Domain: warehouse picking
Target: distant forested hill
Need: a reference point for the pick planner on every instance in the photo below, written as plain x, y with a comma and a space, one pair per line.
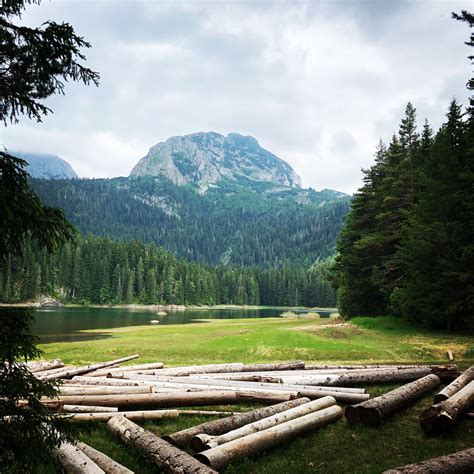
237, 221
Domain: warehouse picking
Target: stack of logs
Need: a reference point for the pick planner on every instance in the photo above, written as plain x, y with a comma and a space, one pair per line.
301, 398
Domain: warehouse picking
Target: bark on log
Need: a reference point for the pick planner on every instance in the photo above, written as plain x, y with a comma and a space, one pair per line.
74, 461
201, 369
217, 427
132, 415
165, 456
91, 390
224, 454
461, 462
87, 409
42, 365
441, 417
203, 442
83, 380
455, 386
107, 464
373, 411
207, 413
127, 368
88, 368
294, 365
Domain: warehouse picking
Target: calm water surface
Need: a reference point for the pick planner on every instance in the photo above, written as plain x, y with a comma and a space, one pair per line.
65, 324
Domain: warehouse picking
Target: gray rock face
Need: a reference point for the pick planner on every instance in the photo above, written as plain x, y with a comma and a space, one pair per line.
205, 158
46, 166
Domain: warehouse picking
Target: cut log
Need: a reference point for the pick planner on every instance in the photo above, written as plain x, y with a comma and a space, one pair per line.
157, 400
127, 368
74, 461
450, 355
91, 390
441, 417
461, 462
294, 365
43, 365
88, 368
372, 412
455, 386
207, 413
217, 427
165, 456
132, 415
202, 442
224, 454
47, 373
87, 409
108, 465
83, 380
202, 369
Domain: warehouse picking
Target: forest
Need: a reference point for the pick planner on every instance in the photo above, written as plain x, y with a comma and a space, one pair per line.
407, 248
102, 271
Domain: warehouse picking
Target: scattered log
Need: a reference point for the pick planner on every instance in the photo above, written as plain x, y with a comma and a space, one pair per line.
217, 427
43, 365
441, 417
102, 460
202, 369
294, 365
74, 461
46, 373
83, 380
127, 368
88, 368
461, 462
207, 412
450, 355
202, 442
132, 415
455, 386
87, 409
373, 411
224, 454
165, 456
97, 390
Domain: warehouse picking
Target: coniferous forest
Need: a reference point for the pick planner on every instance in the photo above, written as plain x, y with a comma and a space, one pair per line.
408, 245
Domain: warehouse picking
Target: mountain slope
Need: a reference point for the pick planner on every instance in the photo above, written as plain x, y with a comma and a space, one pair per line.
46, 166
203, 159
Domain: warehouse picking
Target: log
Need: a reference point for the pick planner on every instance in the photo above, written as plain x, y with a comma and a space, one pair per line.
450, 355
372, 412
91, 390
441, 417
83, 380
157, 400
217, 427
461, 462
202, 369
132, 415
87, 409
207, 412
294, 365
88, 368
43, 365
202, 442
108, 465
46, 373
224, 454
127, 368
165, 456
378, 377
74, 461
455, 385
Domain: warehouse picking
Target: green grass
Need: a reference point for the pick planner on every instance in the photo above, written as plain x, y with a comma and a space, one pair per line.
332, 449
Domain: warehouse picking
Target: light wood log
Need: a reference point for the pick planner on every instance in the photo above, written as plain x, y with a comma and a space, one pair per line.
165, 456
202, 369
461, 462
96, 390
202, 442
450, 355
132, 415
441, 417
74, 461
128, 368
107, 464
372, 412
42, 365
83, 380
207, 412
47, 373
87, 409
224, 454
217, 427
88, 368
455, 385
293, 365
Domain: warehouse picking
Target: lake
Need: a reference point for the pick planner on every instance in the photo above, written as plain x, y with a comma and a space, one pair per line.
65, 324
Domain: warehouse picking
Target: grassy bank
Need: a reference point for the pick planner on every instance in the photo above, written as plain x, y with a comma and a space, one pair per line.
336, 448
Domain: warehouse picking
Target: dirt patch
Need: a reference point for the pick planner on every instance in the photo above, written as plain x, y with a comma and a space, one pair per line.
333, 331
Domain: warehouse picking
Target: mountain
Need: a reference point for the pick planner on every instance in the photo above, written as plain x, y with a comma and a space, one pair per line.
46, 166
203, 159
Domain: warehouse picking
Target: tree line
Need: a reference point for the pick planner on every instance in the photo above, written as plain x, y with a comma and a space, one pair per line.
103, 271
407, 247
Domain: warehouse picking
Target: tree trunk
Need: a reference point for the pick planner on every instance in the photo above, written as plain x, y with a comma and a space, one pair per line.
217, 427
87, 409
108, 465
373, 411
132, 415
224, 454
461, 462
203, 442
74, 461
165, 456
442, 417
455, 386
87, 368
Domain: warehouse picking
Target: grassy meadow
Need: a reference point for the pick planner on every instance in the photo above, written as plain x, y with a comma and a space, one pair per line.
332, 449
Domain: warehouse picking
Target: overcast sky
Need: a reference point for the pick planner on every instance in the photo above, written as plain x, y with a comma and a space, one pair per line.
315, 82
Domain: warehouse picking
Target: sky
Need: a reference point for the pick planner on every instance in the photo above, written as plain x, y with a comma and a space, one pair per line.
317, 83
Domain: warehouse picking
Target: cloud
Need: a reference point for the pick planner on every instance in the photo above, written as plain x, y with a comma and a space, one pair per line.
316, 82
